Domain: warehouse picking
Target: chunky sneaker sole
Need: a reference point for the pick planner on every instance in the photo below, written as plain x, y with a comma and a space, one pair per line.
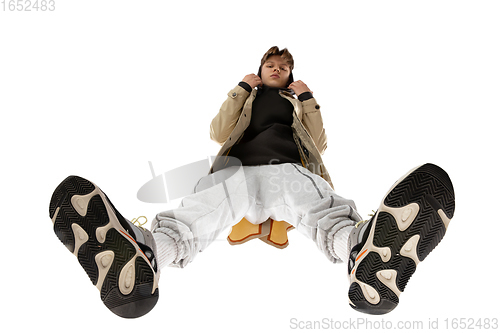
410, 222
107, 247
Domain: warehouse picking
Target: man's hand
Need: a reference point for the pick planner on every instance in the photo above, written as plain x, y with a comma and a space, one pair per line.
253, 80
299, 87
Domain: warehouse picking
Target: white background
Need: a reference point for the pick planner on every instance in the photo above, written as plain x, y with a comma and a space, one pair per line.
99, 88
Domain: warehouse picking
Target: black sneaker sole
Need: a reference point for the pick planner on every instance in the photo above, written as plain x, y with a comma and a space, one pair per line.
87, 224
410, 222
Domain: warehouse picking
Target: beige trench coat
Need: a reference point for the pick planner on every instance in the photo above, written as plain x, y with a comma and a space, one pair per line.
229, 125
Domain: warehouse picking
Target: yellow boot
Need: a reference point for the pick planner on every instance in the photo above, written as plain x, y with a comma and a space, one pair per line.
278, 236
245, 231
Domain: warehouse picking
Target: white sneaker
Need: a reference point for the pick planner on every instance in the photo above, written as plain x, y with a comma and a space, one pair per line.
118, 257
410, 222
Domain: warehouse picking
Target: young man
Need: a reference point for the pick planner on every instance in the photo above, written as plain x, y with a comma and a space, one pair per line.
269, 168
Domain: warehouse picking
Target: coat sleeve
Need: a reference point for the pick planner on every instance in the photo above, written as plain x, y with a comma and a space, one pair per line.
313, 122
225, 121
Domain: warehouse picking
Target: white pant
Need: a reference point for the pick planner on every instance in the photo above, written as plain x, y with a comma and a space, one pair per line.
284, 192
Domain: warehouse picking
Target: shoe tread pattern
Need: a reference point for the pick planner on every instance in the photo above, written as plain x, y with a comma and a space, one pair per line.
430, 187
424, 186
122, 248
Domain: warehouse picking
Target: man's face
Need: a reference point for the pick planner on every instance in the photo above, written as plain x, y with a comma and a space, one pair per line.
275, 72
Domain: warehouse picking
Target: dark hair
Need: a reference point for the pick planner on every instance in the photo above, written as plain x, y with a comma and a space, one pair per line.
285, 55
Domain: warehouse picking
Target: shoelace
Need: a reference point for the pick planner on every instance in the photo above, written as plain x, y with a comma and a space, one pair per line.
364, 221
135, 221
355, 250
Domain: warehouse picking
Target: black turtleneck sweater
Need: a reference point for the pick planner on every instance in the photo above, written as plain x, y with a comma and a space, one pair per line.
269, 137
